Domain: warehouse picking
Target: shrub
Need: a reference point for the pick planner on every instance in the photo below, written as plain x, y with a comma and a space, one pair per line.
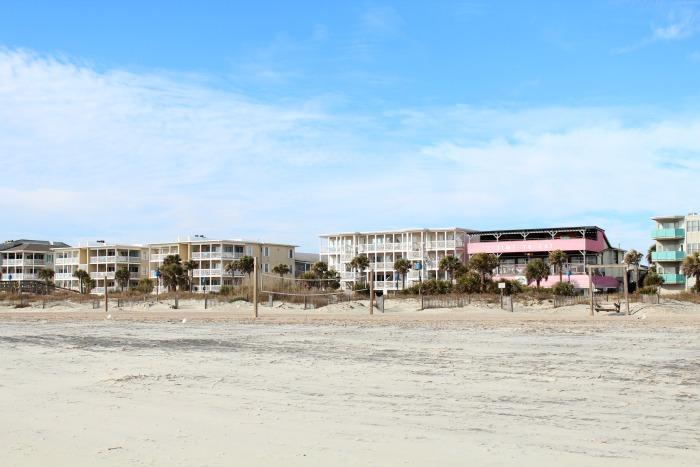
513, 287
469, 282
652, 279
564, 289
430, 287
225, 290
648, 290
145, 285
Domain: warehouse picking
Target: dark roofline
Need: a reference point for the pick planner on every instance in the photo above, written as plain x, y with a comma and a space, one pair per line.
546, 230
6, 245
537, 230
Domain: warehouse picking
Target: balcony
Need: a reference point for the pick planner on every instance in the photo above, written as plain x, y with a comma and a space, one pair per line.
662, 234
207, 272
379, 266
442, 245
667, 255
102, 275
673, 278
62, 261
348, 276
63, 276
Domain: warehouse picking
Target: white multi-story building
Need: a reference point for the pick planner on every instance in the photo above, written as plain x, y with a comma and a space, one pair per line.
424, 246
675, 237
212, 256
100, 261
22, 260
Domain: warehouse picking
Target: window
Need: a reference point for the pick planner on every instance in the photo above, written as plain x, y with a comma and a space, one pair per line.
291, 253
266, 267
249, 250
266, 251
238, 249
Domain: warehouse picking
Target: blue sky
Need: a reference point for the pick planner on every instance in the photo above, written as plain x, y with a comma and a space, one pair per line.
142, 121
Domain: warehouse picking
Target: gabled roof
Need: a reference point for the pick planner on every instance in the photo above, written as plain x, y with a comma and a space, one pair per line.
30, 245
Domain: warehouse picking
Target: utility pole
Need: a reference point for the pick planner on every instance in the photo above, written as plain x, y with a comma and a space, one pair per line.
371, 291
255, 286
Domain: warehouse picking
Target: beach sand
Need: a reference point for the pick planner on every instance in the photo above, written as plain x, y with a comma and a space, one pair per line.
335, 386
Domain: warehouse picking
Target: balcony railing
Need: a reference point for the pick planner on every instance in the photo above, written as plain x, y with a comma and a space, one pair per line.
207, 272
102, 275
62, 261
63, 276
661, 234
441, 245
667, 255
19, 277
673, 278
382, 265
348, 276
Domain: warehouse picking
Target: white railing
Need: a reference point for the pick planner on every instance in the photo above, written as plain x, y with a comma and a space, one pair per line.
415, 254
19, 277
348, 276
211, 254
346, 257
441, 245
380, 265
62, 261
207, 272
157, 257
128, 259
102, 275
231, 255
388, 285
24, 262
63, 276
337, 249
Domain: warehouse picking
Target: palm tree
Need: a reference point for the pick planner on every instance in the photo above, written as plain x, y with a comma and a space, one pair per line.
632, 258
281, 269
557, 258
190, 266
46, 274
691, 268
484, 264
320, 269
172, 272
360, 263
122, 276
450, 264
402, 266
536, 270
82, 277
650, 252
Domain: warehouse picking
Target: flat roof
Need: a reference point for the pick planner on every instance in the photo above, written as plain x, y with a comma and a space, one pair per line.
419, 229
99, 246
539, 230
217, 240
675, 217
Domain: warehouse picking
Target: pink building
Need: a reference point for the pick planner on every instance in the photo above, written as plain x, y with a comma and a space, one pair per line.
587, 245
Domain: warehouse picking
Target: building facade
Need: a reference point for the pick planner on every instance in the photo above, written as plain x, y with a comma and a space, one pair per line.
583, 246
22, 260
674, 238
212, 256
419, 246
100, 261
514, 248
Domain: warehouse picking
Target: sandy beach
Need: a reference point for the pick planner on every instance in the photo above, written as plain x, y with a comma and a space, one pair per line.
148, 385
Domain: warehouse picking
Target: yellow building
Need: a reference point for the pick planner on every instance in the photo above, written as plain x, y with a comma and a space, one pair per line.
212, 256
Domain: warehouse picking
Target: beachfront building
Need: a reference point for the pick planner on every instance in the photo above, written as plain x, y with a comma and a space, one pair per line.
303, 262
211, 256
674, 237
21, 260
583, 246
587, 245
419, 246
101, 261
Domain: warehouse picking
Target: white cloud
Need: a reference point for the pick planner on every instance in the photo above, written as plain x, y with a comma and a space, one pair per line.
140, 157
682, 25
